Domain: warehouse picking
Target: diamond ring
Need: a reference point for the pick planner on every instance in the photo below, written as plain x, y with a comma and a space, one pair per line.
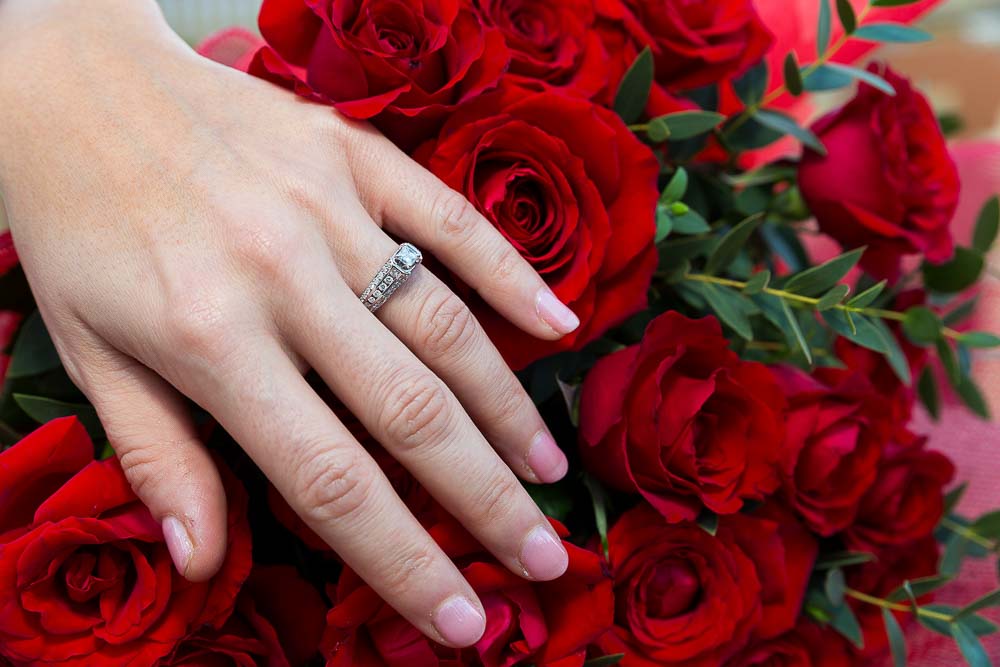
391, 276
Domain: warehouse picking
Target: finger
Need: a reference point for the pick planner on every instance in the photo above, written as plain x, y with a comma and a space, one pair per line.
414, 204
150, 428
433, 322
418, 419
335, 486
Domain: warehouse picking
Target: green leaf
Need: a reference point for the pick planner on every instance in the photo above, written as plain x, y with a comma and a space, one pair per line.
633, 91
953, 497
843, 559
893, 3
691, 223
947, 357
785, 124
599, 499
915, 588
684, 125
731, 308
33, 352
979, 339
894, 353
987, 226
956, 275
954, 551
44, 410
866, 298
927, 389
845, 12
922, 326
977, 624
896, 33
750, 87
676, 188
818, 279
731, 244
989, 600
846, 623
605, 661
664, 224
793, 325
825, 77
970, 646
824, 28
988, 525
961, 312
708, 521
833, 297
972, 397
758, 283
835, 71
835, 586
793, 75
897, 643
863, 333
555, 500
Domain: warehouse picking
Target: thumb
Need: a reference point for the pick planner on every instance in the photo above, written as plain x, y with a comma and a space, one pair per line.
151, 430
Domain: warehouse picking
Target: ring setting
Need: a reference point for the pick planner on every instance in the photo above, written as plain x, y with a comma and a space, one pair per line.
391, 276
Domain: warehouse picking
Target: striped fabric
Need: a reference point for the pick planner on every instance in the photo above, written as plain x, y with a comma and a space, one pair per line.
196, 19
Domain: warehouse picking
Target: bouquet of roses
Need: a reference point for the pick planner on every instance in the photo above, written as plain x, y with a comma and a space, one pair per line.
745, 486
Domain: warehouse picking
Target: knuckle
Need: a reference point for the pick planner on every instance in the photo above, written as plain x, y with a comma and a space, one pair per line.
497, 500
448, 324
410, 568
505, 265
456, 215
510, 404
416, 410
196, 324
331, 487
146, 468
267, 250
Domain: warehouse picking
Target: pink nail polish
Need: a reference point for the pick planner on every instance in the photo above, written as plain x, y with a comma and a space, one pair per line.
555, 313
543, 557
459, 622
178, 543
546, 460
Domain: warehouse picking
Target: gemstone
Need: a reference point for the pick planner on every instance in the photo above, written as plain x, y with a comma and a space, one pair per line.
407, 257
377, 294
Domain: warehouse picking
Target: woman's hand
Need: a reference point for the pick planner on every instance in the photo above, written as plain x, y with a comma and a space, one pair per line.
188, 230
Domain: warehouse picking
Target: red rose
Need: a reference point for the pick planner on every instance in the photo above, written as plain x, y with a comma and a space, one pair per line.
278, 622
884, 575
85, 576
9, 322
8, 256
684, 597
906, 501
683, 421
888, 181
368, 56
551, 43
574, 192
838, 424
808, 645
546, 624
694, 43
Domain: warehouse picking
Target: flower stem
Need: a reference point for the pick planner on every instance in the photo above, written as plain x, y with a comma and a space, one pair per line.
897, 606
968, 533
810, 301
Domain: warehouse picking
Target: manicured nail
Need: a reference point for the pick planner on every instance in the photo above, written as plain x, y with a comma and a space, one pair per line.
546, 460
543, 557
178, 543
459, 622
555, 313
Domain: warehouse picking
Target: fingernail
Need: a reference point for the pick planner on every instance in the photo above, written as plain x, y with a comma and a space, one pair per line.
555, 313
543, 557
178, 543
459, 622
546, 460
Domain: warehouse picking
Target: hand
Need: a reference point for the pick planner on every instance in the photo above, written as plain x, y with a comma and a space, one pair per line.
190, 231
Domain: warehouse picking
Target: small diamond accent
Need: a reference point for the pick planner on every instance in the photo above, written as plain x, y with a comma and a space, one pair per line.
407, 257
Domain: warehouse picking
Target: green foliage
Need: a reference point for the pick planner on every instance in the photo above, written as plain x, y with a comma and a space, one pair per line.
818, 279
891, 33
730, 244
633, 91
793, 75
922, 326
784, 124
605, 661
683, 125
987, 226
33, 352
599, 501
957, 275
824, 28
848, 19
897, 643
43, 409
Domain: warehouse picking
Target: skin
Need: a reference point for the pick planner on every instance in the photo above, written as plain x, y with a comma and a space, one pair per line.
189, 231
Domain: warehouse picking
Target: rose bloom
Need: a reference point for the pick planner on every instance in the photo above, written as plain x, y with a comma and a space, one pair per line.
367, 56
694, 43
888, 181
683, 421
838, 424
278, 622
684, 597
547, 624
907, 499
808, 645
881, 577
551, 43
85, 576
9, 323
573, 191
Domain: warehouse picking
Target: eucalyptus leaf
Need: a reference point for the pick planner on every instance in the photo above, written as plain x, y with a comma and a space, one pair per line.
864, 332
868, 296
858, 74
848, 19
731, 307
843, 559
750, 87
33, 352
793, 325
897, 643
956, 275
846, 623
987, 226
44, 410
991, 599
793, 74
970, 646
676, 187
916, 588
757, 283
687, 124
894, 352
978, 624
731, 244
605, 661
922, 326
833, 298
785, 124
892, 33
972, 397
824, 28
824, 77
979, 339
927, 390
835, 586
818, 279
633, 91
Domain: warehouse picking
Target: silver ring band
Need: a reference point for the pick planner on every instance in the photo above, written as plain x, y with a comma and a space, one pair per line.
391, 276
